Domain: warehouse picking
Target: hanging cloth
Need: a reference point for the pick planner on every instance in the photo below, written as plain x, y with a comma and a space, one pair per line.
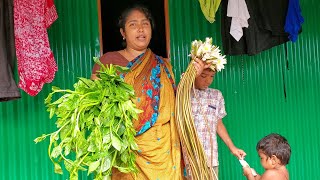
209, 9
36, 64
266, 27
294, 20
238, 11
8, 88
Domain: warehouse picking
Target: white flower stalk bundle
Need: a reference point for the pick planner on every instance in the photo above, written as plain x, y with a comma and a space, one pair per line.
208, 53
194, 153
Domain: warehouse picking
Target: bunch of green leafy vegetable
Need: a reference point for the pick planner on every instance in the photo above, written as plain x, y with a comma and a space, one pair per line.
95, 128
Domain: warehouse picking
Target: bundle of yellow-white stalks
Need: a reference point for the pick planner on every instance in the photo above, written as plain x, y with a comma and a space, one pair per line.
193, 150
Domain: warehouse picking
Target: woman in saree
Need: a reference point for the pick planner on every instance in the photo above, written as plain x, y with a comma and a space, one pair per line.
159, 154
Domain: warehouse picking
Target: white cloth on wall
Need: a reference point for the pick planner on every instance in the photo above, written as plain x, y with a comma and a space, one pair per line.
238, 11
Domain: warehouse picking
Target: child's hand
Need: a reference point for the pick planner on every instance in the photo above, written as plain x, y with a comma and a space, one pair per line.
246, 165
247, 171
200, 65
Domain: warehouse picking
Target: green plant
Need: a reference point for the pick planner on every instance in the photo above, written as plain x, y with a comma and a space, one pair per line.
95, 128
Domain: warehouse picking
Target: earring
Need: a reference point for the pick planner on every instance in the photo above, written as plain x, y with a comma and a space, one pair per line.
123, 38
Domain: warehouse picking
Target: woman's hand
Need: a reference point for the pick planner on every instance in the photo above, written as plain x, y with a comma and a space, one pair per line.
239, 153
200, 65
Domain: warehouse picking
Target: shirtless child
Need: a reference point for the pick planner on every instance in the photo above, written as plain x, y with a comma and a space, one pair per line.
274, 152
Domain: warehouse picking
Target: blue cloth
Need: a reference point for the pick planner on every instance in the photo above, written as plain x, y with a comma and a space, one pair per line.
294, 20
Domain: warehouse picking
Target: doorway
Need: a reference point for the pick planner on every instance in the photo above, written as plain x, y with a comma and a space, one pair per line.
110, 36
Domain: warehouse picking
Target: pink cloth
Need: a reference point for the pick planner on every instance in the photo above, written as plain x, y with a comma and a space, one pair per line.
36, 64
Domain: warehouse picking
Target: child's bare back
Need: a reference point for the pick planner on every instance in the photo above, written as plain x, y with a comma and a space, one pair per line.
275, 174
274, 152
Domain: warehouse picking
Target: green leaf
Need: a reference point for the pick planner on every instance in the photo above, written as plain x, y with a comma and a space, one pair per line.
106, 108
97, 60
107, 177
87, 82
92, 148
116, 141
68, 164
67, 149
106, 138
52, 111
122, 69
49, 98
57, 168
128, 88
106, 164
134, 146
97, 121
123, 169
65, 133
93, 166
82, 145
121, 129
56, 151
41, 138
124, 157
59, 101
103, 177
74, 176
89, 118
55, 88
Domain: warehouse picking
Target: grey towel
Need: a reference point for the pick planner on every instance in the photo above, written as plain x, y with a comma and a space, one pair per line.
8, 86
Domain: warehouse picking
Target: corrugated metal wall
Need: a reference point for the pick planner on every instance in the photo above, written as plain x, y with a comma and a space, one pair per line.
253, 88
74, 40
262, 94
